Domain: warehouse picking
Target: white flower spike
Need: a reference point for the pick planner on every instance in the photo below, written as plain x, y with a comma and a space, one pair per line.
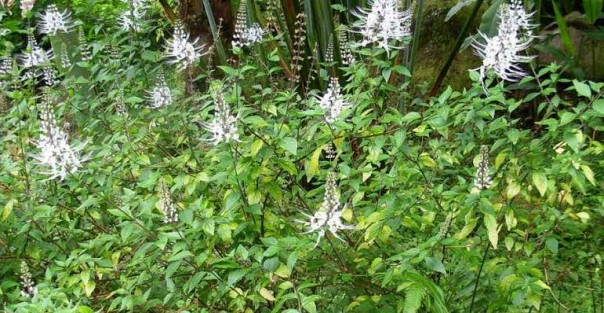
224, 125
383, 23
502, 52
332, 101
329, 215
53, 21
180, 50
56, 153
161, 95
482, 180
34, 56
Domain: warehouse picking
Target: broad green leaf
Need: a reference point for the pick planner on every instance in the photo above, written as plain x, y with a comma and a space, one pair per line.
540, 181
582, 89
552, 244
492, 229
413, 300
290, 144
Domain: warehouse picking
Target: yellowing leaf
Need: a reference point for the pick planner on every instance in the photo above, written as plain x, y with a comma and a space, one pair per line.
589, 174
540, 181
8, 208
267, 294
313, 167
491, 224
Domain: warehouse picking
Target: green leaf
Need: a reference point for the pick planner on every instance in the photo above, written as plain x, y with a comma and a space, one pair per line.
567, 41
552, 245
491, 225
540, 181
308, 303
593, 9
589, 174
582, 89
599, 107
290, 144
435, 265
490, 20
413, 300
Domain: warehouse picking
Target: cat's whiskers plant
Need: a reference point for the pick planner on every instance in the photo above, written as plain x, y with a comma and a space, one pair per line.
329, 215
223, 126
298, 46
26, 6
502, 53
383, 23
166, 204
160, 95
56, 152
245, 36
332, 101
53, 21
85, 48
131, 18
483, 180
180, 50
345, 51
28, 289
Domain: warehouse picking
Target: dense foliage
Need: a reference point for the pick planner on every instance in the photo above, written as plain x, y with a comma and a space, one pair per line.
199, 187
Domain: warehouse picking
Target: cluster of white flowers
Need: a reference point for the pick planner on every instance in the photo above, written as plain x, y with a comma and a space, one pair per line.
53, 21
224, 125
56, 153
245, 36
28, 289
34, 56
502, 52
383, 23
345, 52
333, 101
166, 204
161, 95
130, 20
329, 215
180, 50
482, 180
26, 6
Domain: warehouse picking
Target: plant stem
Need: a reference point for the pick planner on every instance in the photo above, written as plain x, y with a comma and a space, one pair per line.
484, 257
458, 43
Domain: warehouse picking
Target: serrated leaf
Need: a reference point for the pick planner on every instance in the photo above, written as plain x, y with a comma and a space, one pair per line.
552, 244
413, 300
582, 89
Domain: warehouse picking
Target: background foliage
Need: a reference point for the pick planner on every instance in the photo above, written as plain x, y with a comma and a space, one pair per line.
425, 240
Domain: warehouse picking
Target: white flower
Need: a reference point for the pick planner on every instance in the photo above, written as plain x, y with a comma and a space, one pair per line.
383, 23
329, 215
28, 289
245, 36
128, 22
160, 95
253, 34
34, 56
53, 21
166, 204
26, 6
333, 101
482, 180
502, 52
180, 50
224, 125
56, 153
